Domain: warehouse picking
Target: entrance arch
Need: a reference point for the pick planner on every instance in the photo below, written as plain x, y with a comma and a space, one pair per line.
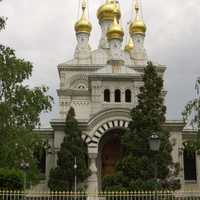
113, 124
94, 143
109, 153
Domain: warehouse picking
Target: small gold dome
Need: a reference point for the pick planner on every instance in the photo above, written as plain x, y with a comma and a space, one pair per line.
83, 25
138, 25
108, 11
129, 46
115, 31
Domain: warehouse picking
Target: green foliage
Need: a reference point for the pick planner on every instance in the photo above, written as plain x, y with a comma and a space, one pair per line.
20, 109
22, 105
191, 115
135, 171
62, 177
2, 22
11, 179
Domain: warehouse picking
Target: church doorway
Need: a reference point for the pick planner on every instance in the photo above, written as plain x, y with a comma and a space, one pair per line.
110, 151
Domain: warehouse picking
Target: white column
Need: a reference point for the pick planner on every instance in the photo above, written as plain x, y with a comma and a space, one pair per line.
138, 54
112, 95
93, 179
103, 41
198, 167
181, 172
123, 96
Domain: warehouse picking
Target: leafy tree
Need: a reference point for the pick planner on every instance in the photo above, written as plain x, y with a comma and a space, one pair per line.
2, 22
191, 114
135, 171
62, 177
20, 109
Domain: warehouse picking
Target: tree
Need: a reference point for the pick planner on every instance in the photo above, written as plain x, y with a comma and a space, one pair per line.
191, 115
2, 22
62, 177
20, 109
135, 171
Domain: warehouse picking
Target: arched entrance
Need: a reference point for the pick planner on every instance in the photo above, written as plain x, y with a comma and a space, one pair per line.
110, 151
101, 147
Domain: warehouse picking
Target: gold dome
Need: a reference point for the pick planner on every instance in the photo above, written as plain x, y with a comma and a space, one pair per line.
129, 46
138, 25
115, 31
83, 25
108, 11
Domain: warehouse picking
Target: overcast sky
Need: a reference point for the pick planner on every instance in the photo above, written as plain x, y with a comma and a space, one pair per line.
42, 31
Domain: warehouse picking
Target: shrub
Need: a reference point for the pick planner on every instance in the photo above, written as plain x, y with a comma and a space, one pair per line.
11, 179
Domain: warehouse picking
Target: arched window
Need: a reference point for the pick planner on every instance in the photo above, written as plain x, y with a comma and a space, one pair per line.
106, 95
189, 166
81, 87
128, 96
117, 95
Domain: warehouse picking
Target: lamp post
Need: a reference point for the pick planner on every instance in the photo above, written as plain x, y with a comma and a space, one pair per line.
24, 166
154, 144
75, 178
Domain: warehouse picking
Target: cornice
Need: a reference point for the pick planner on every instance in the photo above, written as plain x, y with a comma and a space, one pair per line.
174, 125
121, 77
69, 67
44, 131
159, 68
59, 124
70, 92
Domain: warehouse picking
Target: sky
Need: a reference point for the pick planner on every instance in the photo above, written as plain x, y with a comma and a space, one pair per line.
42, 32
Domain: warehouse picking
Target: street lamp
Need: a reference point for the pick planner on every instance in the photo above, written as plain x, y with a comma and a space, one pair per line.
75, 178
24, 166
154, 144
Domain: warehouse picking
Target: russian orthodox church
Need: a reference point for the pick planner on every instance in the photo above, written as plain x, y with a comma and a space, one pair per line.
102, 86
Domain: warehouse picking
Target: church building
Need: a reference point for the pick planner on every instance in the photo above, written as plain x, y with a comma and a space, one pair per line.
102, 86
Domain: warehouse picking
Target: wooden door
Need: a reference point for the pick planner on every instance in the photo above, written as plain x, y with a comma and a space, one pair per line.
111, 153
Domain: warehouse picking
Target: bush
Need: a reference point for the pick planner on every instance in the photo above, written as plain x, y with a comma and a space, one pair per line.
11, 179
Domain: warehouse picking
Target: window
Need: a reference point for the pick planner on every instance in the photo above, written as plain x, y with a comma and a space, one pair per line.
81, 87
117, 95
40, 156
189, 166
106, 95
128, 96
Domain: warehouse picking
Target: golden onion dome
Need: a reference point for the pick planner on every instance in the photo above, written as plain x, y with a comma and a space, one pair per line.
129, 46
115, 31
83, 25
138, 25
108, 11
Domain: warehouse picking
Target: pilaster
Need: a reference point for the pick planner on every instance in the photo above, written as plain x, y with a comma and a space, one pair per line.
181, 173
93, 179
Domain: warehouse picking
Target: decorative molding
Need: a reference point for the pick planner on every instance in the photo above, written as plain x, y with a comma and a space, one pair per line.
94, 141
78, 78
109, 113
80, 103
70, 92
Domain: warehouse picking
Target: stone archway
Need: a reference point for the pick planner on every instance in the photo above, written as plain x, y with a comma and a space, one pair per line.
113, 124
109, 153
94, 149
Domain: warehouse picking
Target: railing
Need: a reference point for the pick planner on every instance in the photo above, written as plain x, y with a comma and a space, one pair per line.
143, 195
